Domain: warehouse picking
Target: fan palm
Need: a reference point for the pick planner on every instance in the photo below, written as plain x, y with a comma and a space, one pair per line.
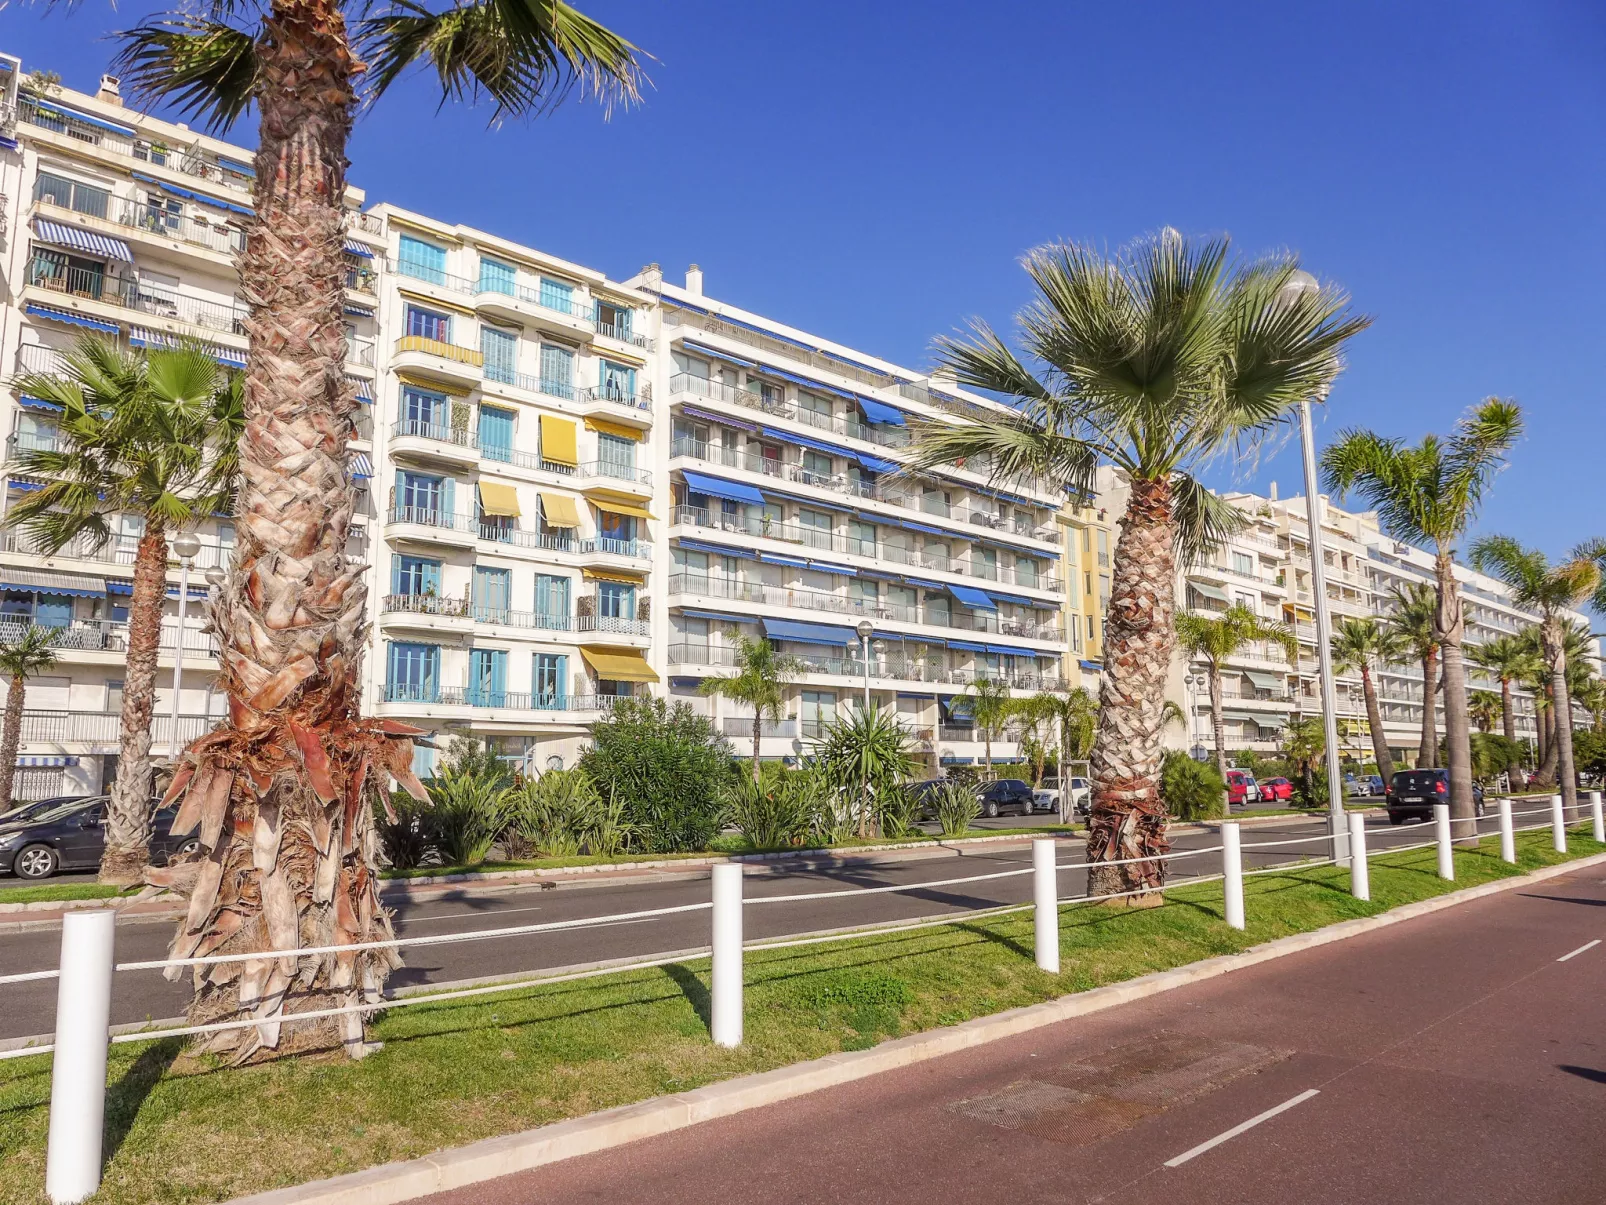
1428, 494
1213, 640
147, 433
1360, 644
1411, 619
22, 656
1153, 360
292, 771
990, 706
1510, 659
1483, 706
763, 674
1551, 589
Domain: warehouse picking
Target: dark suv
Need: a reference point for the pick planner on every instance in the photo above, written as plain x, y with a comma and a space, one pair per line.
1005, 793
1412, 794
73, 836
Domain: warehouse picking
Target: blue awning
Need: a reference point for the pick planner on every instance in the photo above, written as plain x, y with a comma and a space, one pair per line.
39, 581
1010, 650
358, 311
199, 198
362, 469
23, 486
702, 350
817, 503
925, 528
1023, 601
100, 123
920, 581
698, 546
768, 334
879, 412
364, 394
72, 319
353, 247
234, 165
719, 616
1095, 666
973, 597
28, 402
807, 383
827, 567
724, 420
967, 646
62, 235
734, 491
684, 305
231, 357
819, 445
197, 593
809, 633
769, 558
876, 464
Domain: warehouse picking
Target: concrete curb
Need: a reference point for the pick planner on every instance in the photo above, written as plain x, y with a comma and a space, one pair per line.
491, 1158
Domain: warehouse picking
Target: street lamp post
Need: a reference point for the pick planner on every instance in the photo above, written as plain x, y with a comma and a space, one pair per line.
865, 629
185, 546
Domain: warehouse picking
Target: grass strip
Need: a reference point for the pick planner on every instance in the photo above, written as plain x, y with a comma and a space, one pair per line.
187, 1130
44, 892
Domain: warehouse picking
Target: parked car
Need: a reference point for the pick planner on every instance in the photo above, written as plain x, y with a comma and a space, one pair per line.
73, 837
921, 794
1004, 794
1412, 794
1046, 799
1372, 786
1081, 796
27, 811
1241, 788
1278, 790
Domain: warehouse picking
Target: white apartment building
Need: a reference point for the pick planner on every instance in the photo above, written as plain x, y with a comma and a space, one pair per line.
791, 516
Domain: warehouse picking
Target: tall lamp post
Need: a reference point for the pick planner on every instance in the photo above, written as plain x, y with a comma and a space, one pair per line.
185, 547
1300, 284
865, 629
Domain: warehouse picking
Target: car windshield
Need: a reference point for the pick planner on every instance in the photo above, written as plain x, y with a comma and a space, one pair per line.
62, 811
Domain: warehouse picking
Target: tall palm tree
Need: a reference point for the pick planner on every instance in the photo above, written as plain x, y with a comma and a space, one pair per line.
1213, 640
1483, 706
991, 707
1411, 619
1510, 659
1038, 717
23, 656
1428, 494
1152, 360
292, 770
1360, 644
1551, 589
762, 675
1304, 742
147, 433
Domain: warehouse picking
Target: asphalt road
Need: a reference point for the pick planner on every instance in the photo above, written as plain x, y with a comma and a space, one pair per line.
1450, 1059
29, 1008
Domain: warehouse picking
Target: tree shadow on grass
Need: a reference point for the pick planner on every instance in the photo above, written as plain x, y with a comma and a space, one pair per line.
124, 1098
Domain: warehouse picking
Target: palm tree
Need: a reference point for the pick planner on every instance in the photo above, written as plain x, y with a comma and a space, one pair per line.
1483, 706
990, 706
292, 616
763, 674
1360, 644
1213, 640
1304, 742
1038, 717
1509, 658
1428, 494
1411, 619
1552, 590
1152, 360
148, 433
21, 657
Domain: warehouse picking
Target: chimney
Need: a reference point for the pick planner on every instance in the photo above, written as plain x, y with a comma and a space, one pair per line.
694, 281
111, 90
1274, 491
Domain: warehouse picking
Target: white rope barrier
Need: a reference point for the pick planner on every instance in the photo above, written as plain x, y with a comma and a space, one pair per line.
895, 888
1170, 856
1294, 841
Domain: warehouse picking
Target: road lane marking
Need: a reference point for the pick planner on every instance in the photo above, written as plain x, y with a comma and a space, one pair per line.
418, 920
1242, 1126
1586, 946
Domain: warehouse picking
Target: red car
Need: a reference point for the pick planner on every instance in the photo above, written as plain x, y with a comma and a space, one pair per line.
1279, 789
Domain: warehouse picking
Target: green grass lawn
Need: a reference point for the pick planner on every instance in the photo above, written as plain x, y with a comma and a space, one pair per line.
38, 892
453, 1073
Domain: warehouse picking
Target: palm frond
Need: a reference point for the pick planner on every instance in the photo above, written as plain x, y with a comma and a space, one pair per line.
204, 67
1203, 520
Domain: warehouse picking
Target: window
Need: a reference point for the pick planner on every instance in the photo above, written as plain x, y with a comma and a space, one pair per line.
557, 295
694, 639
551, 672
428, 324
904, 602
983, 562
414, 575
1104, 549
557, 371
425, 413
1025, 571
816, 464
818, 709
694, 563
423, 497
690, 365
616, 600
816, 411
70, 194
611, 526
421, 260
496, 433
616, 381
612, 319
493, 591
67, 273
939, 611
412, 673
816, 527
618, 453
114, 696
487, 678
163, 213
552, 602
501, 351
861, 537
1243, 563
866, 592
935, 554
497, 277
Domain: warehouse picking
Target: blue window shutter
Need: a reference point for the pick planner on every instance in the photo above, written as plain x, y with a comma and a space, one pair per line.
500, 352
421, 260
449, 495
499, 672
557, 365
432, 576
496, 277
496, 430
395, 573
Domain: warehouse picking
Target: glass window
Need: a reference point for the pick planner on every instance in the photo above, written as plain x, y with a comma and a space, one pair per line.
413, 673
616, 381
557, 295
114, 696
501, 352
427, 324
616, 600
549, 682
421, 494
497, 277
487, 678
496, 432
861, 537
612, 319
70, 194
816, 527
552, 602
414, 575
616, 527
493, 591
816, 464
1243, 563
557, 370
818, 709
424, 413
1025, 571
616, 452
421, 260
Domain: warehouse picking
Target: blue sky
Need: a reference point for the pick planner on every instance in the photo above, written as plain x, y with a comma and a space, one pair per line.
873, 172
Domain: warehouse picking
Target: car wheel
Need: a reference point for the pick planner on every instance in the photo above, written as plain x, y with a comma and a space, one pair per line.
990, 810
35, 862
185, 850
1395, 819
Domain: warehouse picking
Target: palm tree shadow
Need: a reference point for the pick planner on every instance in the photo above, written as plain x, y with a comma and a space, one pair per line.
1589, 1073
128, 1094
694, 990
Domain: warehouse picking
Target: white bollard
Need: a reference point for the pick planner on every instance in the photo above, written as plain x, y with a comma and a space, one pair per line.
78, 1072
1360, 879
1441, 825
1232, 868
1596, 816
1558, 825
1508, 835
1046, 905
725, 993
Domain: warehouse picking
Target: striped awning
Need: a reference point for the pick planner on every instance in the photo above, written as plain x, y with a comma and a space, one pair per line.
26, 762
362, 468
353, 247
36, 403
39, 581
87, 241
72, 319
358, 311
230, 357
365, 395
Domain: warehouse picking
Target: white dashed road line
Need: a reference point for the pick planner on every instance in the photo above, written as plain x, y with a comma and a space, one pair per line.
1242, 1126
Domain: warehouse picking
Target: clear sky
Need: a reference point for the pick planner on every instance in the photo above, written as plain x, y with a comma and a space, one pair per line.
873, 171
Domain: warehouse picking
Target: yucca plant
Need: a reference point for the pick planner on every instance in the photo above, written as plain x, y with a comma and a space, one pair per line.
865, 756
468, 811
957, 807
554, 812
780, 809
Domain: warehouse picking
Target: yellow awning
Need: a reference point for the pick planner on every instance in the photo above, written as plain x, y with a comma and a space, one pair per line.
560, 510
621, 665
619, 357
560, 440
498, 499
619, 429
612, 575
622, 508
448, 387
435, 302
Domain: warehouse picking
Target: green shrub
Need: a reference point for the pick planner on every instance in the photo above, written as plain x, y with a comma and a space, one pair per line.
956, 806
406, 841
550, 815
781, 809
868, 756
1191, 790
468, 812
668, 767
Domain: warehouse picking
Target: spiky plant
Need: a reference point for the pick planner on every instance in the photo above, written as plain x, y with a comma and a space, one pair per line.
1152, 360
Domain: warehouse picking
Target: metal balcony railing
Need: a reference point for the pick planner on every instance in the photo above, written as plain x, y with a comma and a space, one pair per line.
219, 236
445, 351
117, 550
103, 728
429, 516
616, 397
742, 728
436, 432
635, 549
884, 668
614, 625
108, 636
132, 293
616, 472
621, 332
191, 161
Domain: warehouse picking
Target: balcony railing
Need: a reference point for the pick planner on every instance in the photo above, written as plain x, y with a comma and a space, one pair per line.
616, 471
630, 401
742, 728
462, 608
519, 538
438, 433
109, 636
218, 236
103, 728
117, 550
32, 441
899, 669
131, 293
576, 305
622, 332
192, 161
614, 625
429, 516
470, 696
635, 549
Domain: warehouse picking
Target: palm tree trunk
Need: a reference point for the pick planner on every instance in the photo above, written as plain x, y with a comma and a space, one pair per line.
758, 731
128, 813
1218, 726
1553, 638
1428, 750
1545, 775
1374, 717
1449, 627
10, 739
1508, 725
987, 748
1128, 817
283, 793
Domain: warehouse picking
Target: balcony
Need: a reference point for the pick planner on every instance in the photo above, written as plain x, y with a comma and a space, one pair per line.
108, 636
612, 625
741, 728
56, 729
535, 540
421, 440
895, 669
447, 361
632, 407
193, 161
66, 282
360, 352
430, 612
432, 695
116, 550
427, 524
23, 442
638, 481
621, 332
634, 550
458, 613
210, 242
